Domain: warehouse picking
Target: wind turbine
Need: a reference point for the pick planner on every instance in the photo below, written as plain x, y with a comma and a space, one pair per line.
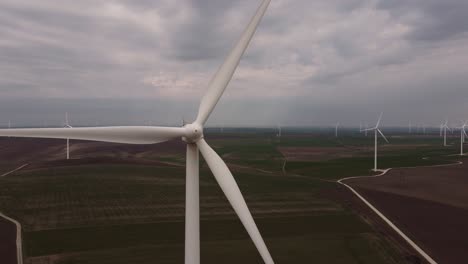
462, 136
67, 125
336, 128
444, 127
376, 130
409, 127
192, 134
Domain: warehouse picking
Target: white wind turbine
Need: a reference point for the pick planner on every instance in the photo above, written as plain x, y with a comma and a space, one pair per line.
279, 132
336, 128
462, 136
192, 134
444, 128
376, 130
67, 125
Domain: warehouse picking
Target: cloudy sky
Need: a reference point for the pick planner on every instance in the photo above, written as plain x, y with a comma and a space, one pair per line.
311, 62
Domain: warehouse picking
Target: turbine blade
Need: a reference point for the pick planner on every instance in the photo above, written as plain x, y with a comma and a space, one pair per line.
124, 134
229, 186
380, 132
224, 74
369, 129
378, 121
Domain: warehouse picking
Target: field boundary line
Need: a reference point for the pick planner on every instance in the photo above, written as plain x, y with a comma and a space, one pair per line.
19, 241
15, 170
383, 217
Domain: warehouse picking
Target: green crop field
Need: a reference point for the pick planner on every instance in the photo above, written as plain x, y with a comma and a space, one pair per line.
115, 212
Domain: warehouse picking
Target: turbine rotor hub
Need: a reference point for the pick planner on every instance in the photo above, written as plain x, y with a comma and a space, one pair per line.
194, 132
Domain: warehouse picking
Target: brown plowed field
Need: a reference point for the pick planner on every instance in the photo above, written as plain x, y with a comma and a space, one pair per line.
429, 204
7, 242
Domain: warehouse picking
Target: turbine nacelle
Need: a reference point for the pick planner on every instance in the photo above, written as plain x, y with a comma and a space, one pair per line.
194, 132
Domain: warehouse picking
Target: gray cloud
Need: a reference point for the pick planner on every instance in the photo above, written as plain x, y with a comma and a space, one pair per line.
432, 20
319, 60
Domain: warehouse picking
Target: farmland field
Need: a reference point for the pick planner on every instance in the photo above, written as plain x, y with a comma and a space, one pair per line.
435, 206
125, 204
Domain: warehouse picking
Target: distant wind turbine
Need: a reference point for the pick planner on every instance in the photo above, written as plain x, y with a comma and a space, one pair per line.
67, 125
462, 136
9, 124
192, 135
336, 129
376, 130
410, 127
444, 128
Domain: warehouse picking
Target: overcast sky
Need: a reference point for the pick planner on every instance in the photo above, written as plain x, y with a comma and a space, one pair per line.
311, 62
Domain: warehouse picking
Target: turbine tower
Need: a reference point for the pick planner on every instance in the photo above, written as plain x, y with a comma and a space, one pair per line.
444, 127
192, 134
462, 136
67, 125
376, 132
336, 128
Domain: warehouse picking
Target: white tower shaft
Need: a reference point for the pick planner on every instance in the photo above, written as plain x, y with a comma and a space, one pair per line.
461, 141
68, 148
375, 150
445, 136
192, 207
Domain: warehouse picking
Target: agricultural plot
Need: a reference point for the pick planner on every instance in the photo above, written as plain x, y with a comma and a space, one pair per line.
127, 205
8, 239
430, 204
353, 156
